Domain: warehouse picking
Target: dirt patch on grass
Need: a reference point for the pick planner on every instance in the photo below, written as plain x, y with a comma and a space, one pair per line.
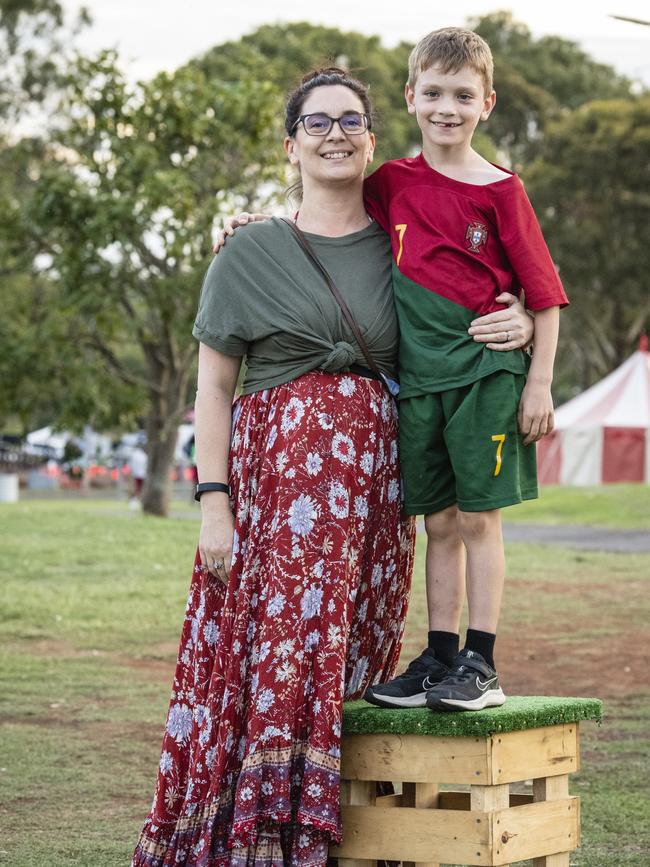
608, 667
157, 664
59, 648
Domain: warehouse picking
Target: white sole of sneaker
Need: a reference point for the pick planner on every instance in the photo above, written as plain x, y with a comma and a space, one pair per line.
491, 698
419, 700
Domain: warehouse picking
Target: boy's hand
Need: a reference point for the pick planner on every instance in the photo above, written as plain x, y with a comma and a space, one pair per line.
232, 223
535, 416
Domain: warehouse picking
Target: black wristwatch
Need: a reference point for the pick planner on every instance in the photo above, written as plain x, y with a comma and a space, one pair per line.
204, 487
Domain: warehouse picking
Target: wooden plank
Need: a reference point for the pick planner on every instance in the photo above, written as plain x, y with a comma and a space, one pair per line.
359, 792
552, 789
560, 859
416, 758
489, 799
389, 801
461, 800
486, 800
535, 830
425, 796
414, 834
457, 836
542, 752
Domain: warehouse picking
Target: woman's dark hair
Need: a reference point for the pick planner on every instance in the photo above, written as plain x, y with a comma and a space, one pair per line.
323, 77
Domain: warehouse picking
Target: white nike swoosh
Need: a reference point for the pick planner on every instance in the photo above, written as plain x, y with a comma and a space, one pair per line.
426, 683
484, 686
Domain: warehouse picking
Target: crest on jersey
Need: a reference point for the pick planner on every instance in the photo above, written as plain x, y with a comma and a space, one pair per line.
476, 234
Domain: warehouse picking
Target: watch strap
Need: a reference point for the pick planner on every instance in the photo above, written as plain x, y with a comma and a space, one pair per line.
205, 487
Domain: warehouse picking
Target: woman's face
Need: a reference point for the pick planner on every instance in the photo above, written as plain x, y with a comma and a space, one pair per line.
336, 158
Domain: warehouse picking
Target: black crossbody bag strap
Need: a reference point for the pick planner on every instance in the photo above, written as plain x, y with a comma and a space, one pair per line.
349, 318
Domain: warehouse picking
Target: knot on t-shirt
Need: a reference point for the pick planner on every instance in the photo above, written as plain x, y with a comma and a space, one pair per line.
341, 357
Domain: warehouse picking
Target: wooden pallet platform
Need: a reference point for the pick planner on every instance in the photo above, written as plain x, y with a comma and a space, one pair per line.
530, 738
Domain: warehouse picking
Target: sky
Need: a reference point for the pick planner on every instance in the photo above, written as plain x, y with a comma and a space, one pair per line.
152, 35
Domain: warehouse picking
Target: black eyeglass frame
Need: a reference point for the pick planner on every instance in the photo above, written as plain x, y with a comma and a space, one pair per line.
332, 121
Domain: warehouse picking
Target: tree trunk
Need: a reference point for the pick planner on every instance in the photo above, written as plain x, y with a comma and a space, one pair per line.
165, 410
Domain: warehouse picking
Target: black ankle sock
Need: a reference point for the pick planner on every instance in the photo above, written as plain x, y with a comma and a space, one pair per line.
444, 645
481, 642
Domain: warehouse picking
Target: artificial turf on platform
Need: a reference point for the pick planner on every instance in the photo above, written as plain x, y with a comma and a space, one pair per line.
518, 713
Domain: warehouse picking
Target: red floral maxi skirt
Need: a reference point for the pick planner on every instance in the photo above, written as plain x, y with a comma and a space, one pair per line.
313, 613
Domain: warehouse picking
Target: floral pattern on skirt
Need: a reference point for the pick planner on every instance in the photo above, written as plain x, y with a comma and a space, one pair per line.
313, 613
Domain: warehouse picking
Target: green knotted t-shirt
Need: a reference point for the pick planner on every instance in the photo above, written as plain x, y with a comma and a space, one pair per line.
263, 298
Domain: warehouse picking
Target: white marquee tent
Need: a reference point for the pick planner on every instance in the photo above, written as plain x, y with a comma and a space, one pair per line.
603, 434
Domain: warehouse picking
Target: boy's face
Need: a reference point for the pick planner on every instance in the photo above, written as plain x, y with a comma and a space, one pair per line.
448, 106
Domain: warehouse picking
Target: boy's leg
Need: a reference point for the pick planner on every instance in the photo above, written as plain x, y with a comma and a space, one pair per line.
483, 539
429, 489
445, 580
492, 469
473, 682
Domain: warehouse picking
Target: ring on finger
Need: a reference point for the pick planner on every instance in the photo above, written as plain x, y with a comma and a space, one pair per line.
218, 564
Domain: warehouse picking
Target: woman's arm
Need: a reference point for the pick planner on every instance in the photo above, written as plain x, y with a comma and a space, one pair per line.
217, 381
503, 330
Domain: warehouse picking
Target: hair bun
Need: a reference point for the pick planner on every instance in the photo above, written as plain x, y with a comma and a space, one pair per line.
323, 70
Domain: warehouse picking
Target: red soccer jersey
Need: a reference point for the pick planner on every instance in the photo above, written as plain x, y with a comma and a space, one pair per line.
456, 246
466, 242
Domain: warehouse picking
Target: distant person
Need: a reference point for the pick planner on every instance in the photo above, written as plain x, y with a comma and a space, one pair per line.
190, 452
138, 463
300, 586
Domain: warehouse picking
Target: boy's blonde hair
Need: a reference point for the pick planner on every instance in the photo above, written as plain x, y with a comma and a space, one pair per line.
451, 48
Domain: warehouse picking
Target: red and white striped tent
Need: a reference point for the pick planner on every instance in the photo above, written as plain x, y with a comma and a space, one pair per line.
603, 435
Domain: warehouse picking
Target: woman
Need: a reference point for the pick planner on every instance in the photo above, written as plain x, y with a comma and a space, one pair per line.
300, 586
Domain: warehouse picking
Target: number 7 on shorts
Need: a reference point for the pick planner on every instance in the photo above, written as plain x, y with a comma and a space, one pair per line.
498, 438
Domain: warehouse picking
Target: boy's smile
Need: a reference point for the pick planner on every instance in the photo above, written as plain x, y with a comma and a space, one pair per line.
448, 107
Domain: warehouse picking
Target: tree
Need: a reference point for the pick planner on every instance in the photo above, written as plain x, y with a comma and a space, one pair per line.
590, 186
282, 53
124, 208
35, 36
538, 81
46, 375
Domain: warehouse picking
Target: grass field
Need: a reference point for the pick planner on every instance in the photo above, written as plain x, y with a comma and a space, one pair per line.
92, 601
624, 506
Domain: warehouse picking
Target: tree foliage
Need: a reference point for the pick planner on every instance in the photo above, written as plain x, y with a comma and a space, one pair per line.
35, 36
106, 220
124, 206
283, 53
538, 81
47, 373
591, 186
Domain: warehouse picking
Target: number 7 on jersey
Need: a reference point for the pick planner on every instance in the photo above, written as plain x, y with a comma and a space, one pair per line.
400, 228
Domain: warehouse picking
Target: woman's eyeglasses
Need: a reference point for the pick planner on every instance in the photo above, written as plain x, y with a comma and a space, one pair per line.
351, 123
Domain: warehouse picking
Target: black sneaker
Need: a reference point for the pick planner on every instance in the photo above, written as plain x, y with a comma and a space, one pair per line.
410, 688
471, 684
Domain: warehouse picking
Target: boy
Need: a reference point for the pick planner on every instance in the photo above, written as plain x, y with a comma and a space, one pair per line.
462, 232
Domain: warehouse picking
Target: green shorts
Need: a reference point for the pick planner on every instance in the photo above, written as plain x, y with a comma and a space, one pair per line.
463, 446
